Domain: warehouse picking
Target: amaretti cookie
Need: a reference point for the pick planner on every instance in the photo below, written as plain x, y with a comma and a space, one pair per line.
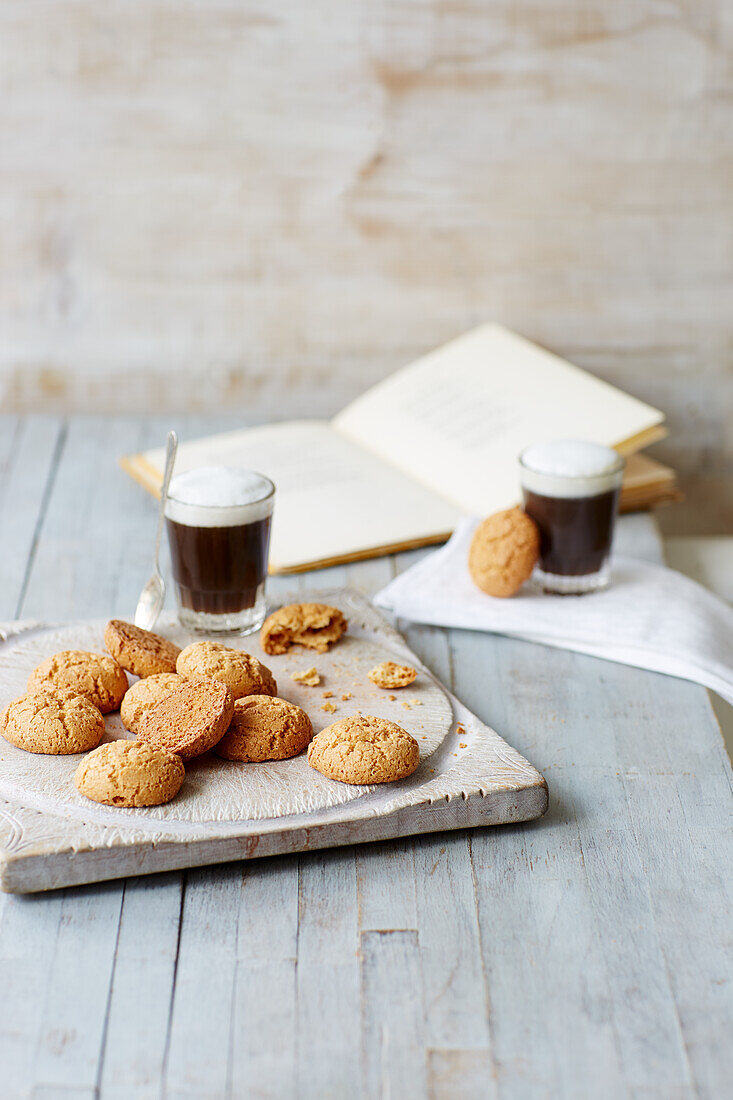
144, 693
503, 552
140, 651
390, 675
47, 723
130, 773
242, 673
98, 677
265, 728
189, 721
364, 749
313, 625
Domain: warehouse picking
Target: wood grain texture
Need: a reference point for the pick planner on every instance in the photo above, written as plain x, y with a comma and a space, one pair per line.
603, 933
211, 204
29, 453
135, 1038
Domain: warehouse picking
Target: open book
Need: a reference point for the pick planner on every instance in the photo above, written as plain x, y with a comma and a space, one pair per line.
439, 439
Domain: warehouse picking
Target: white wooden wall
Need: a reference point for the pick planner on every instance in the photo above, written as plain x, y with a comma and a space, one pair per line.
205, 204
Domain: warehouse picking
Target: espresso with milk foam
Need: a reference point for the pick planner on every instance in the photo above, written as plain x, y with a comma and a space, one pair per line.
218, 522
571, 491
574, 531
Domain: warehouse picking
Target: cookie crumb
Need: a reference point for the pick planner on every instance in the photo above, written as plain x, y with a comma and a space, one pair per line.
346, 696
390, 675
461, 744
329, 708
406, 705
392, 697
416, 702
307, 676
460, 729
327, 695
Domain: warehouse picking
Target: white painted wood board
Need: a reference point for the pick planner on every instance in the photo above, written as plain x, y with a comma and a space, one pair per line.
52, 836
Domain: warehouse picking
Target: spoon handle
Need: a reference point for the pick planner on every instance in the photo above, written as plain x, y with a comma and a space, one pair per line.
170, 458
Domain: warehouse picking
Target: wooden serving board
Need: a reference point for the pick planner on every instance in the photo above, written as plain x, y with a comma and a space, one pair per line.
50, 836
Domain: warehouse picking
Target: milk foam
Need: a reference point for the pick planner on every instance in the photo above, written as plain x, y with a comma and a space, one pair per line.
571, 468
218, 496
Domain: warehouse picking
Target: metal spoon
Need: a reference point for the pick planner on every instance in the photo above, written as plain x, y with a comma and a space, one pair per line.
152, 597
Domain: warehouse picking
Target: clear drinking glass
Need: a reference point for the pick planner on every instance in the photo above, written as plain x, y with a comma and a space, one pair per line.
571, 490
218, 522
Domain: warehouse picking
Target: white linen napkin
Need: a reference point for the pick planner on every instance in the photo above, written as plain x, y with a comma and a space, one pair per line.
650, 616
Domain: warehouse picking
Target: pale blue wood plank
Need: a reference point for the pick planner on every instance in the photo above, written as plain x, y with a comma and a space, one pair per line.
461, 1075
197, 1059
453, 983
393, 1023
30, 448
28, 936
73, 1014
267, 919
141, 990
551, 1027
90, 528
265, 1030
677, 780
386, 882
264, 1027
605, 955
328, 987
59, 1092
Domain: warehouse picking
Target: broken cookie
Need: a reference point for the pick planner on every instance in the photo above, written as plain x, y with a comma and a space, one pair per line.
313, 625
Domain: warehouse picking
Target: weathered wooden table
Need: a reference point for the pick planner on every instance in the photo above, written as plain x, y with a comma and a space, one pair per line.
584, 955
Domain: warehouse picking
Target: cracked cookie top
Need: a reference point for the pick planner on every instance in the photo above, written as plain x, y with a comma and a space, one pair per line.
94, 675
143, 694
364, 749
265, 728
503, 552
45, 722
130, 773
242, 673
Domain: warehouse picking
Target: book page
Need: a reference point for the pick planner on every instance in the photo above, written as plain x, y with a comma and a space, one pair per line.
333, 499
457, 419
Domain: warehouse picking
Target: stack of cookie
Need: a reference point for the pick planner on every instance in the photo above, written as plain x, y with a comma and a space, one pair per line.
188, 702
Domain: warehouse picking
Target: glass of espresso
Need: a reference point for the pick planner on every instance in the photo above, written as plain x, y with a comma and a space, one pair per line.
218, 521
571, 491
